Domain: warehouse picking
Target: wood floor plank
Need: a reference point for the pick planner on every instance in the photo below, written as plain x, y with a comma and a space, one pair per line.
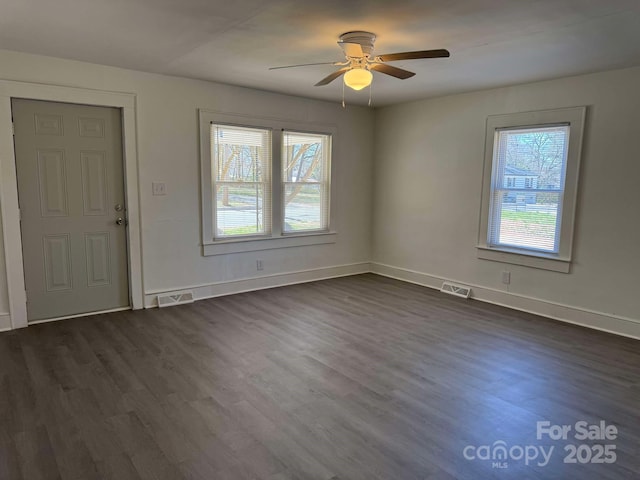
360, 377
36, 456
9, 460
117, 467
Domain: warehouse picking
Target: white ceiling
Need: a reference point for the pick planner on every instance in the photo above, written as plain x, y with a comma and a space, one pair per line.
492, 42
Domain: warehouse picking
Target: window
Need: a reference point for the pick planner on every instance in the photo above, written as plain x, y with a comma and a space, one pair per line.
528, 219
530, 185
265, 183
241, 180
305, 177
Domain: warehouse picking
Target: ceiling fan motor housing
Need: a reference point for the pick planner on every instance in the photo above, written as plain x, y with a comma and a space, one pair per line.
364, 39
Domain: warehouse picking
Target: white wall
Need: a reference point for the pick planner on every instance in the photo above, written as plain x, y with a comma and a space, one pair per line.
428, 176
168, 151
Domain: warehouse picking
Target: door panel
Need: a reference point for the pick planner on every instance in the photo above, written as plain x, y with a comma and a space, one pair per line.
70, 178
94, 183
98, 265
52, 183
57, 262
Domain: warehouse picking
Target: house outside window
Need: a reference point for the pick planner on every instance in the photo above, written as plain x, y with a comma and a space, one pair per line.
518, 178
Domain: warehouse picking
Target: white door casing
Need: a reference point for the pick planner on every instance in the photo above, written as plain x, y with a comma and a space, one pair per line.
72, 207
14, 314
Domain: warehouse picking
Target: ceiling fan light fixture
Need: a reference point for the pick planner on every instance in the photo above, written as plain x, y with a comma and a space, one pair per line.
358, 78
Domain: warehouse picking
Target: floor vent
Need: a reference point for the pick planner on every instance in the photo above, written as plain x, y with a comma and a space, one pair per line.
169, 299
457, 290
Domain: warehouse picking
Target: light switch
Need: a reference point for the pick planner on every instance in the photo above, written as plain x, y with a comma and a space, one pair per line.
159, 188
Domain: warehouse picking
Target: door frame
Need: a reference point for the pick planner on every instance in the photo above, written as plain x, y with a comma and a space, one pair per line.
11, 233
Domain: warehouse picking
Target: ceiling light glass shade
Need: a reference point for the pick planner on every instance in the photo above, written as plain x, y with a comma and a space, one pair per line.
358, 78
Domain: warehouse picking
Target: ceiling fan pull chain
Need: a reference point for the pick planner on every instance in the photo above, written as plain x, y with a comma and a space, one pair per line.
343, 105
370, 90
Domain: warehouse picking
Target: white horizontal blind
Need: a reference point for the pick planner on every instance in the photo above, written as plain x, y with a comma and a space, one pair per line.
305, 181
527, 188
241, 176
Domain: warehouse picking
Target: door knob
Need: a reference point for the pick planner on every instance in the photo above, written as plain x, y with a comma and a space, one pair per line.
119, 221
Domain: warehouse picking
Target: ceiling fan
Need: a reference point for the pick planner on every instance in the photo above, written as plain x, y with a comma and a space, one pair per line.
360, 61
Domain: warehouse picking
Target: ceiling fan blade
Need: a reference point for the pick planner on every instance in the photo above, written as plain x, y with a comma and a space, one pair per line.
305, 65
330, 78
392, 57
393, 71
352, 49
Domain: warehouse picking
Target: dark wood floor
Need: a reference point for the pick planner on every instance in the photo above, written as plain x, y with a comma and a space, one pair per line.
361, 377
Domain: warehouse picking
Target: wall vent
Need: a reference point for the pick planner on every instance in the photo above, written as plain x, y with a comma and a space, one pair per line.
457, 290
169, 299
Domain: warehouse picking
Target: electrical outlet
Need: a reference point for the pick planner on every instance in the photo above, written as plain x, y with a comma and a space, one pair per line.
159, 188
506, 277
259, 265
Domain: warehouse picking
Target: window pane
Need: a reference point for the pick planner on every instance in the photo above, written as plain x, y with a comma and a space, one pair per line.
241, 185
303, 157
533, 157
240, 154
239, 209
304, 207
528, 182
523, 224
305, 173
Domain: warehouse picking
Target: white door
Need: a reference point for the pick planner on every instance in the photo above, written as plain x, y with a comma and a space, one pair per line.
73, 216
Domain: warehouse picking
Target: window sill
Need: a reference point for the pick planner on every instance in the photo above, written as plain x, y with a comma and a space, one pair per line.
516, 257
223, 247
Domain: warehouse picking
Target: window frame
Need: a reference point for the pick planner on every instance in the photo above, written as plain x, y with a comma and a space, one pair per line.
276, 238
574, 118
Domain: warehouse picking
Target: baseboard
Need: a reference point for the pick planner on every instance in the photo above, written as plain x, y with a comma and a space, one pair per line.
615, 324
79, 315
200, 292
5, 322
618, 325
